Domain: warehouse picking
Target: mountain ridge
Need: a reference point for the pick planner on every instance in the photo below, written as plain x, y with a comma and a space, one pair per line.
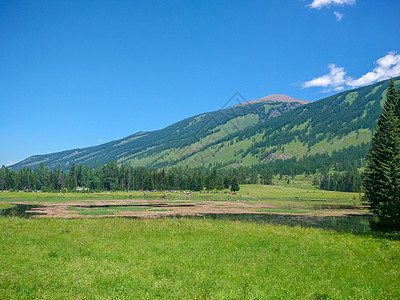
259, 132
209, 122
275, 98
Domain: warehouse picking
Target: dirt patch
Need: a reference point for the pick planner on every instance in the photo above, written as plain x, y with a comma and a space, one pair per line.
141, 208
162, 208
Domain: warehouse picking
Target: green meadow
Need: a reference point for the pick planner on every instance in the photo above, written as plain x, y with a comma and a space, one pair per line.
191, 259
117, 258
300, 189
299, 197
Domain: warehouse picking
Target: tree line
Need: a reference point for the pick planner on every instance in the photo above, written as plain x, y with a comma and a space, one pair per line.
344, 182
114, 177
120, 177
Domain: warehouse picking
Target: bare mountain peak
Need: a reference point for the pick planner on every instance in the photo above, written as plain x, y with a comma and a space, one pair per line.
276, 98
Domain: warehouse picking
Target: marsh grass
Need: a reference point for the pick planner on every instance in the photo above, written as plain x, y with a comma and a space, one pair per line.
5, 205
192, 259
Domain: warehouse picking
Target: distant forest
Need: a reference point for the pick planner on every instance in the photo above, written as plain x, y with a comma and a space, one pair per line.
124, 178
113, 177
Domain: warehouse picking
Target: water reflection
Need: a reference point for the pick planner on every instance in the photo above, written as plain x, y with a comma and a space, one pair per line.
354, 223
17, 211
350, 223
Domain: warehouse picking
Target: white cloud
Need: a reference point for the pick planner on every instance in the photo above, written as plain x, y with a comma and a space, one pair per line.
318, 4
334, 79
386, 67
338, 15
336, 89
100, 140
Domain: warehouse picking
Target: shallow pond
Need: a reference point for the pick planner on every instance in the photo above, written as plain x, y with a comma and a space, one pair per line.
354, 223
350, 223
18, 210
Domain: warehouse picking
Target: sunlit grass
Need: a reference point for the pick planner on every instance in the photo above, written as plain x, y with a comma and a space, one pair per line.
191, 259
295, 191
301, 190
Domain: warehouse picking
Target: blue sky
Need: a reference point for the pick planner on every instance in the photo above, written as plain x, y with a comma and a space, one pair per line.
80, 73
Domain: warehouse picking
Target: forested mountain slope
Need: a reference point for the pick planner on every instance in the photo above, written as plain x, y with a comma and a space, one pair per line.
276, 130
337, 128
174, 143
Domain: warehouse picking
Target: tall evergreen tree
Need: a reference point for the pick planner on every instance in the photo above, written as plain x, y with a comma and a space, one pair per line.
266, 176
234, 184
382, 173
3, 178
72, 181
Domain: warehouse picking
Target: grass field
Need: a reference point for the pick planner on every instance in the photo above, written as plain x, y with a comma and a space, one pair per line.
117, 258
192, 259
295, 191
301, 189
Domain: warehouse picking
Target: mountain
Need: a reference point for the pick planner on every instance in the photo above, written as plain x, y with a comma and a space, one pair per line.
174, 143
275, 98
271, 129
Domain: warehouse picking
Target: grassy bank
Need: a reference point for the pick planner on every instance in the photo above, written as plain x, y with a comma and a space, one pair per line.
121, 258
294, 191
298, 190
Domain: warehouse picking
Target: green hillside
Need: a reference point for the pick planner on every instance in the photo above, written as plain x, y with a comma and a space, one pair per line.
171, 144
271, 132
338, 127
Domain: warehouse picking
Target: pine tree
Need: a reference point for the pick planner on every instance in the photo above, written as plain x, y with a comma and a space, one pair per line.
382, 173
72, 181
266, 176
234, 184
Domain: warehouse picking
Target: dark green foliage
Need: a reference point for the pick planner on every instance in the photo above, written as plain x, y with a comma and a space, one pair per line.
113, 177
347, 159
345, 182
266, 176
3, 173
315, 181
234, 185
382, 173
72, 179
